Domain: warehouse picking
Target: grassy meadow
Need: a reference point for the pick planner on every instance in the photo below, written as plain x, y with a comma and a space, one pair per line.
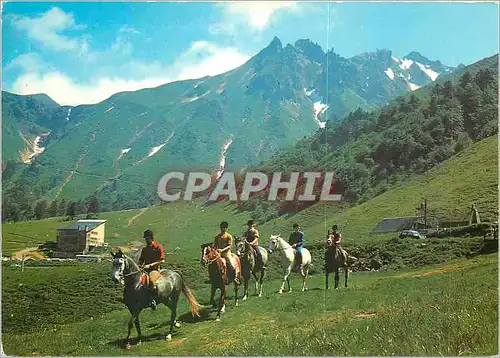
447, 309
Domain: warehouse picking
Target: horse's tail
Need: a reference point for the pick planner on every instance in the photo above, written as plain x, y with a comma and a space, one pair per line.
193, 304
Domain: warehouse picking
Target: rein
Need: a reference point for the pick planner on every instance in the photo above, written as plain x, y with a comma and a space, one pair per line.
133, 272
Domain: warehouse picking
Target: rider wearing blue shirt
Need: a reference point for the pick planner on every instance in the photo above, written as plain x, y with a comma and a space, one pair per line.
297, 241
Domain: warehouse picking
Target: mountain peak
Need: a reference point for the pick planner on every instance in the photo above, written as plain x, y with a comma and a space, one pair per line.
275, 44
310, 49
418, 57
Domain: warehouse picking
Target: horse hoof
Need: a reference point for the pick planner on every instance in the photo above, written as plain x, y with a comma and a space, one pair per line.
128, 346
280, 292
237, 304
260, 294
177, 325
244, 298
168, 337
217, 319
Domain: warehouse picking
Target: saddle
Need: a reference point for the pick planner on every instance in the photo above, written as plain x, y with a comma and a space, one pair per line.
234, 260
149, 280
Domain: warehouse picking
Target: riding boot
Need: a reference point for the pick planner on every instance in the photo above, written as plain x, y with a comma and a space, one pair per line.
234, 276
152, 297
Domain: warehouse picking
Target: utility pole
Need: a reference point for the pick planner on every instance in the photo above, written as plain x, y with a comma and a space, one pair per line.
425, 212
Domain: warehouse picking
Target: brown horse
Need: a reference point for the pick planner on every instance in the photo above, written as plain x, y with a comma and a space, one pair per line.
217, 271
335, 258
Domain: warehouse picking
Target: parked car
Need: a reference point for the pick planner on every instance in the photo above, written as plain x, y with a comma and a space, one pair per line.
411, 233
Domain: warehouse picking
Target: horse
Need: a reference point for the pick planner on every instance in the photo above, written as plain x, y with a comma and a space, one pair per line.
217, 271
335, 258
136, 297
288, 261
248, 265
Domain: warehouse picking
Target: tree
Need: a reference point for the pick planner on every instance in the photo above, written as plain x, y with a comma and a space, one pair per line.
41, 209
93, 205
53, 208
71, 210
61, 208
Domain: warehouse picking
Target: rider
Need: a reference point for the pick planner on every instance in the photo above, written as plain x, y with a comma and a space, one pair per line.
337, 238
252, 237
151, 257
297, 241
223, 242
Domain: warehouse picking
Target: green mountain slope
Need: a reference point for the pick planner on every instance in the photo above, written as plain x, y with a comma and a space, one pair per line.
126, 143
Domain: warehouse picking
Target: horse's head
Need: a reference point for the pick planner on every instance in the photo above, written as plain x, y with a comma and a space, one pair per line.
329, 241
208, 254
119, 264
240, 246
273, 243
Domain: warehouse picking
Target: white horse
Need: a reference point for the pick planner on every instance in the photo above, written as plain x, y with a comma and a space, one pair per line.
277, 243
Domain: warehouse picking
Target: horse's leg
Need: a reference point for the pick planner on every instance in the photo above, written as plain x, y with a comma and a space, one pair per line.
138, 328
261, 281
346, 272
133, 319
327, 273
245, 287
222, 301
287, 273
212, 296
236, 294
173, 314
256, 283
304, 279
337, 278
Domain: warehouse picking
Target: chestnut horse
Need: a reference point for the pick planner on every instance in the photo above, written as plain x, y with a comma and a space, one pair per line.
217, 271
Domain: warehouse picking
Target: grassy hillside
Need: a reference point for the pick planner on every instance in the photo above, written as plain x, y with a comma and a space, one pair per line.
447, 309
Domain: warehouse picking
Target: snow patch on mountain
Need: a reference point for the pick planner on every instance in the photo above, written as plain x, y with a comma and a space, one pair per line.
413, 87
36, 150
69, 114
223, 155
389, 73
428, 71
318, 106
123, 152
406, 64
395, 59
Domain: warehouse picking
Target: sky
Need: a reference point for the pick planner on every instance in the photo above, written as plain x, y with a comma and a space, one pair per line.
82, 53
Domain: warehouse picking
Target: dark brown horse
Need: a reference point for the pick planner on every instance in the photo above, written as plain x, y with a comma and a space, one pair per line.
336, 258
218, 274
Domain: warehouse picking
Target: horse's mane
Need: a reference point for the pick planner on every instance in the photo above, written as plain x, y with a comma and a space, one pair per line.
130, 259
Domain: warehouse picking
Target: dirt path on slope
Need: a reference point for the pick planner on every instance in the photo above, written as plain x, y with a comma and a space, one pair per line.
131, 221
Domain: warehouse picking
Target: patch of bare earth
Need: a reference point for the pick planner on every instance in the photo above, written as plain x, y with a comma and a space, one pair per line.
432, 272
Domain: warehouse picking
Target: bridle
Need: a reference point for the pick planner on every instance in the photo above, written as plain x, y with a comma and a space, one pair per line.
126, 265
207, 261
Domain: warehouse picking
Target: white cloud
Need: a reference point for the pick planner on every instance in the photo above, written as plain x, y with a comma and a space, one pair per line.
128, 29
27, 62
201, 59
66, 91
256, 15
47, 28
